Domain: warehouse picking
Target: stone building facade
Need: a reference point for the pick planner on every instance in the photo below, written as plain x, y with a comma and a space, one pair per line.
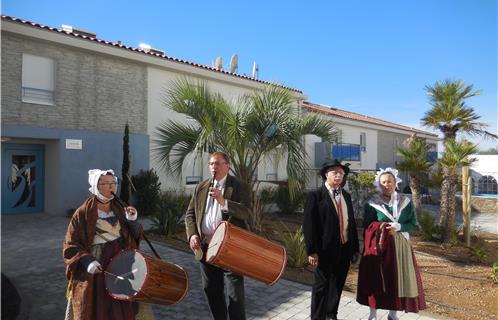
51, 138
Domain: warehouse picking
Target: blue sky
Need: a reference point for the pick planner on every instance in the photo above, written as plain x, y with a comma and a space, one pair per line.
370, 57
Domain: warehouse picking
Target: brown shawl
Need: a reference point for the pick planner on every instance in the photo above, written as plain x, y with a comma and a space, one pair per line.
77, 243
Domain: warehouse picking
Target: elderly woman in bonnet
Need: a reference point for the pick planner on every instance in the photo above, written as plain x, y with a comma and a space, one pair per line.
389, 277
98, 230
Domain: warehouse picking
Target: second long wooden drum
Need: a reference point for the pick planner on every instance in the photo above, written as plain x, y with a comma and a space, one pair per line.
240, 251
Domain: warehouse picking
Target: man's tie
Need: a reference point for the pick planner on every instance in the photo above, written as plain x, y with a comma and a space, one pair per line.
338, 204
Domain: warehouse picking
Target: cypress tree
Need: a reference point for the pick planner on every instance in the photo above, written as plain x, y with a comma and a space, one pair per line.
125, 168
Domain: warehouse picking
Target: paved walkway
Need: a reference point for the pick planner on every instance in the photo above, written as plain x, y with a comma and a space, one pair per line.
32, 259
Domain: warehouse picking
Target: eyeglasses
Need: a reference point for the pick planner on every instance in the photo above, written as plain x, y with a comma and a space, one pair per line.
336, 173
216, 163
109, 184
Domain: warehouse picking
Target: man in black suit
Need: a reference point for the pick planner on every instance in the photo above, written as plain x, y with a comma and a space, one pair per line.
222, 197
331, 239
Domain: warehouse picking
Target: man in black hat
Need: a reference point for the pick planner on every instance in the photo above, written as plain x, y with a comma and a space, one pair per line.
331, 239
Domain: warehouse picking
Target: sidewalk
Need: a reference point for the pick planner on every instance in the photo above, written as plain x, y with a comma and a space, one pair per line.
32, 259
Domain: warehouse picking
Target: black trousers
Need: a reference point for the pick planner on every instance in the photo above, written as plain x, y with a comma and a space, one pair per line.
327, 289
213, 283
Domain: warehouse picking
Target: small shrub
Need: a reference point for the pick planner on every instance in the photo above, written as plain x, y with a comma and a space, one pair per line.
267, 195
494, 273
147, 189
479, 251
285, 203
427, 226
295, 246
168, 216
361, 187
454, 236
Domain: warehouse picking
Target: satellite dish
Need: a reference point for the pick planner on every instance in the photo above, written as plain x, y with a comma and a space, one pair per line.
255, 70
145, 47
219, 63
234, 63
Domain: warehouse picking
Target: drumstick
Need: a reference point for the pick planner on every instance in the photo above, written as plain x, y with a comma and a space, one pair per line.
112, 274
124, 205
214, 244
128, 273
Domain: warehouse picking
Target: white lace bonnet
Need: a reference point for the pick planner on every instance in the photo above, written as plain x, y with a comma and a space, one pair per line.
390, 170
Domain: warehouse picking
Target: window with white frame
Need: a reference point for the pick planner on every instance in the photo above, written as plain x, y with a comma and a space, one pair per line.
38, 79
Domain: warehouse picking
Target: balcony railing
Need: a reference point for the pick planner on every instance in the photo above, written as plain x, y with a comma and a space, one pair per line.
346, 152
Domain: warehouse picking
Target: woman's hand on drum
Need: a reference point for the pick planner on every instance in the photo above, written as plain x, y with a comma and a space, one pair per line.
195, 242
313, 260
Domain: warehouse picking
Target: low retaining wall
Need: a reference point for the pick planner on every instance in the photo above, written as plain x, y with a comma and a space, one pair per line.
481, 204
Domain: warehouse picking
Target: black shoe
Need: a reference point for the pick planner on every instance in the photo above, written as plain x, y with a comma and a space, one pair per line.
333, 317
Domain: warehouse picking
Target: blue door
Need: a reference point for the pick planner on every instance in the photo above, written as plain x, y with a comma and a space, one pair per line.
22, 178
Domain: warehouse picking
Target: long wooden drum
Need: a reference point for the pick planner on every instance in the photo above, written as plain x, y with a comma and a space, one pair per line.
133, 275
245, 253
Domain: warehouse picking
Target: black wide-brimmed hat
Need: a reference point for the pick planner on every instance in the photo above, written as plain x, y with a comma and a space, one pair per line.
333, 163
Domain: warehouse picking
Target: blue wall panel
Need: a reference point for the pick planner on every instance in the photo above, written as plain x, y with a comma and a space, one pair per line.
101, 150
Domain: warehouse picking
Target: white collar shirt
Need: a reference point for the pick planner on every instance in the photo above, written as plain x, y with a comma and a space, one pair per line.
212, 215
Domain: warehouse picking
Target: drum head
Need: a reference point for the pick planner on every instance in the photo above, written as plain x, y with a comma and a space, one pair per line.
216, 242
126, 274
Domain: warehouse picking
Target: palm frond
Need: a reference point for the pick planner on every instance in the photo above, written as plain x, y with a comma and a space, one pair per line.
449, 112
415, 157
173, 143
248, 130
458, 154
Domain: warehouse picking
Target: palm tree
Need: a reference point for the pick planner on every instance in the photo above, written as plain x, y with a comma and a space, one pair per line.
248, 131
415, 162
450, 113
456, 155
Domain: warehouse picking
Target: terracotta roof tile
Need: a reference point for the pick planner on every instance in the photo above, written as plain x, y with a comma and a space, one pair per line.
359, 117
118, 45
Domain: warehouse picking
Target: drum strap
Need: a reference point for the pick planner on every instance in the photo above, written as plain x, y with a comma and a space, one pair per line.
124, 205
151, 247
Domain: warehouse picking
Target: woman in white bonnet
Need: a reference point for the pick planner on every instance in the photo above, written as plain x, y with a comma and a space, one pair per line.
98, 230
389, 277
